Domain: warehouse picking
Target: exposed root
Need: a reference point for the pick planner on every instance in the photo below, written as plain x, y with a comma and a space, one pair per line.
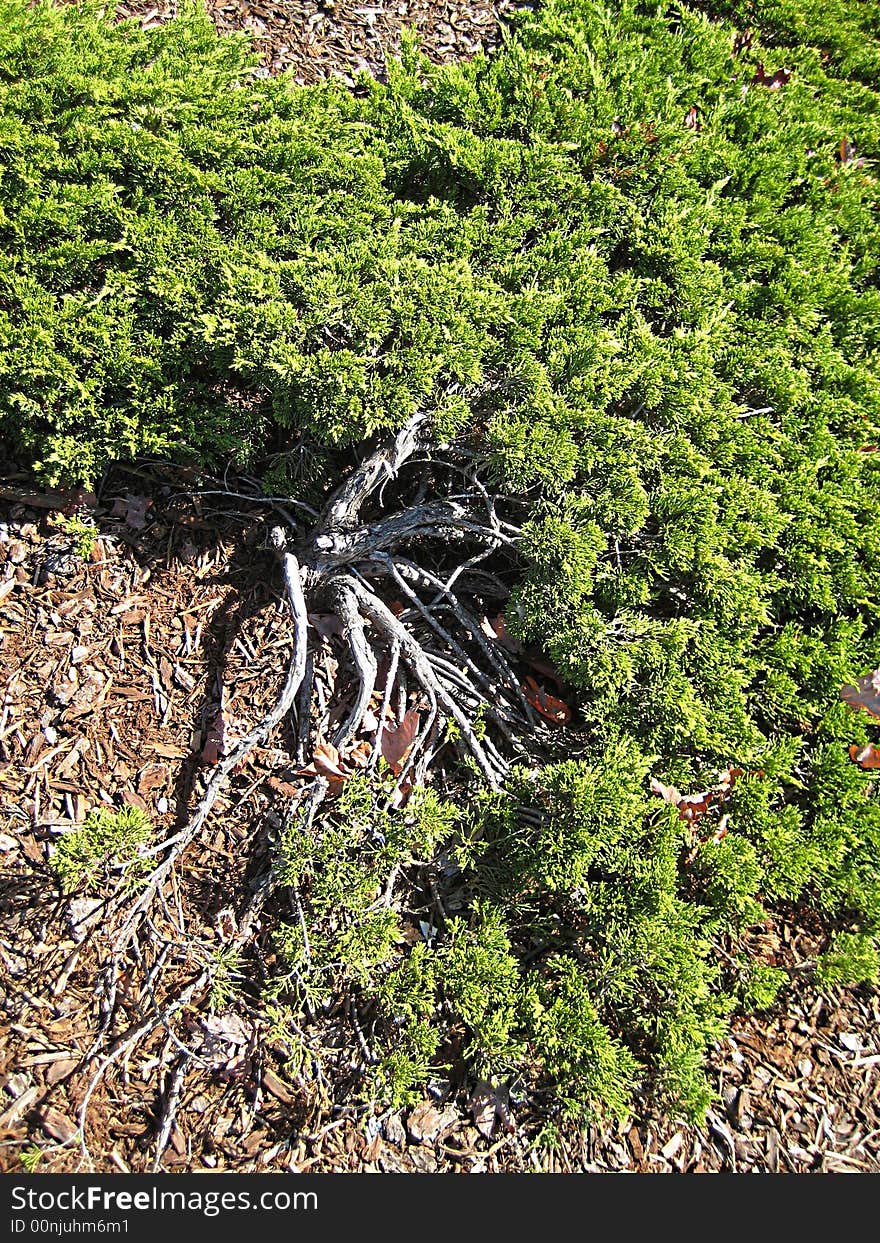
436, 657
293, 584
414, 655
362, 654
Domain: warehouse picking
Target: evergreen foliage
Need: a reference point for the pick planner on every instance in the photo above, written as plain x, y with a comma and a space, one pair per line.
643, 283
108, 845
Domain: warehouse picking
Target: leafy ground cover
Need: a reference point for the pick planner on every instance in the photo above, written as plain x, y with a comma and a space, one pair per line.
560, 366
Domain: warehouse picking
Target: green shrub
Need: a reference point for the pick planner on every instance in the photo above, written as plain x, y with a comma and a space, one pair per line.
642, 284
851, 958
107, 846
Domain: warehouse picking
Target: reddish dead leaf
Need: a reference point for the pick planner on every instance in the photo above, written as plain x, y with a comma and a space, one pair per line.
396, 743
721, 832
865, 694
865, 757
134, 800
548, 705
57, 1126
848, 154
692, 120
496, 628
283, 788
692, 808
132, 510
400, 794
153, 777
772, 81
396, 608
215, 740
728, 779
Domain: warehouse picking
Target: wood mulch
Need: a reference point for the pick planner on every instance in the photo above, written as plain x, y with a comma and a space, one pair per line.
315, 40
118, 663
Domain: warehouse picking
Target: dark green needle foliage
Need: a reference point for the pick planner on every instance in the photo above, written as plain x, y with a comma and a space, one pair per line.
638, 275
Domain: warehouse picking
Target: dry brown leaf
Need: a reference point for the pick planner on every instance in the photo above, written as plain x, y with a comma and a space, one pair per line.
773, 81
669, 794
360, 755
490, 1110
57, 1126
424, 1123
215, 740
325, 760
283, 787
327, 625
132, 510
396, 743
278, 1088
151, 778
865, 694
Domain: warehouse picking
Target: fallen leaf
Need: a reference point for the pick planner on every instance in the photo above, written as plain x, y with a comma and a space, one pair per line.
865, 757
228, 1028
283, 787
60, 1070
153, 777
215, 739
82, 915
848, 154
668, 793
326, 763
692, 807
865, 694
396, 743
326, 624
278, 1088
489, 1106
546, 670
326, 760
773, 81
132, 510
496, 628
360, 755
691, 119
425, 1123
553, 709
